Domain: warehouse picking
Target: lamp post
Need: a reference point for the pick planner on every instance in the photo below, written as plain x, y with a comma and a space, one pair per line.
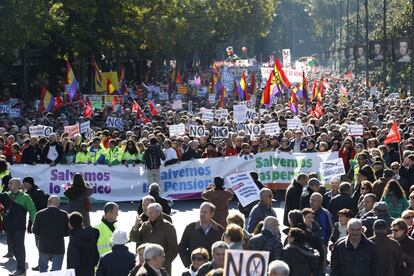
366, 43
412, 43
384, 44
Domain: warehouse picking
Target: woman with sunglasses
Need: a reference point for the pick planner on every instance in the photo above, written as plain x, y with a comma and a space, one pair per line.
408, 216
199, 256
131, 154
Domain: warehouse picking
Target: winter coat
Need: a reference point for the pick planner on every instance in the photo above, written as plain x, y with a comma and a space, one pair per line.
259, 213
83, 253
390, 256
153, 156
340, 202
267, 241
292, 200
220, 198
302, 259
118, 262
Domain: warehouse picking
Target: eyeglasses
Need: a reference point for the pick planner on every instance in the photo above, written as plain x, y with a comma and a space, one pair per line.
197, 258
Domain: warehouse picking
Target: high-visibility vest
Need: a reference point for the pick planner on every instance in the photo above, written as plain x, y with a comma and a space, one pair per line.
3, 174
95, 155
129, 158
113, 156
104, 241
82, 158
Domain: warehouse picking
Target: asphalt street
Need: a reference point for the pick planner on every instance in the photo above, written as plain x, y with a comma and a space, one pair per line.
184, 212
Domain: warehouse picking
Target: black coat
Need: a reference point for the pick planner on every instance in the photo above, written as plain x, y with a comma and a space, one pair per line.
45, 151
340, 202
31, 155
348, 261
292, 200
146, 270
51, 226
118, 262
83, 253
305, 198
190, 154
153, 156
302, 259
39, 197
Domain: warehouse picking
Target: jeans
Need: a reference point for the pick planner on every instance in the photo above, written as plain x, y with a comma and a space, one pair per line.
15, 239
44, 259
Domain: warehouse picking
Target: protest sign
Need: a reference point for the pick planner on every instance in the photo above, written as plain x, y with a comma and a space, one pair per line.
201, 92
212, 98
115, 123
5, 108
227, 78
36, 131
308, 130
96, 100
220, 132
239, 113
355, 130
14, 112
178, 104
112, 76
252, 129
221, 113
393, 96
239, 126
197, 131
251, 114
332, 168
293, 75
163, 96
176, 130
84, 126
294, 123
243, 187
72, 130
90, 134
368, 104
272, 129
249, 104
182, 89
207, 115
245, 262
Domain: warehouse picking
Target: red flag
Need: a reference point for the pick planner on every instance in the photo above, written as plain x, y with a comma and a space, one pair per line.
152, 108
135, 107
393, 136
113, 103
318, 109
88, 112
58, 104
266, 91
178, 80
235, 90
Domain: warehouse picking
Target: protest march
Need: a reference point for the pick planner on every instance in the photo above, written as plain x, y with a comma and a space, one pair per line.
201, 139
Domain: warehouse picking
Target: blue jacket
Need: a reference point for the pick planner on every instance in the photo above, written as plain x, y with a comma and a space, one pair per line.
257, 214
118, 262
267, 241
303, 144
324, 219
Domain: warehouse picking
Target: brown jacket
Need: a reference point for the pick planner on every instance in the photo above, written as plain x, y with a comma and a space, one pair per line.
390, 256
220, 199
160, 232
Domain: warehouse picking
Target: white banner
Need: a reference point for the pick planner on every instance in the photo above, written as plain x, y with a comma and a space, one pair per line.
245, 262
243, 187
355, 130
265, 73
293, 75
176, 130
221, 113
220, 132
239, 113
294, 123
272, 129
83, 127
184, 180
14, 112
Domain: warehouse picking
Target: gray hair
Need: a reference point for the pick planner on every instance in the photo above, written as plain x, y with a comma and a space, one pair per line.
154, 187
156, 206
279, 267
354, 222
317, 195
269, 222
152, 250
264, 191
217, 245
148, 197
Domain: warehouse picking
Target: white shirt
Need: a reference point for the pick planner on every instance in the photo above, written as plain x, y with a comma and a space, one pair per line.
170, 154
52, 153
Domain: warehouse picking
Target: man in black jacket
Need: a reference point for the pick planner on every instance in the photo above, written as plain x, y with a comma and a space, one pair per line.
52, 152
354, 255
342, 201
152, 158
51, 226
192, 151
314, 185
32, 153
293, 193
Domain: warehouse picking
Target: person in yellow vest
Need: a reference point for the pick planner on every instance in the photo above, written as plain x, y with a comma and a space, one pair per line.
97, 152
131, 154
83, 156
106, 227
3, 172
113, 156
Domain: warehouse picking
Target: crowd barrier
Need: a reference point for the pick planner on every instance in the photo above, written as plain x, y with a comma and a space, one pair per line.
183, 180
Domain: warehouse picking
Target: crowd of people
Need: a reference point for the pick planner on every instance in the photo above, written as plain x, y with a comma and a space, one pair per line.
359, 224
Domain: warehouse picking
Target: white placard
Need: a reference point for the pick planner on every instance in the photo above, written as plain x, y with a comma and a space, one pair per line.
221, 113
245, 263
163, 96
115, 123
355, 130
368, 104
197, 131
249, 103
72, 130
211, 98
252, 129
176, 130
251, 114
220, 132
308, 130
207, 115
178, 104
272, 129
84, 126
286, 57
332, 168
36, 131
14, 112
239, 113
294, 123
90, 134
243, 187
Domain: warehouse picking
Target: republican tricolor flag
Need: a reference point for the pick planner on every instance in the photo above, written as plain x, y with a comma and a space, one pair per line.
71, 84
